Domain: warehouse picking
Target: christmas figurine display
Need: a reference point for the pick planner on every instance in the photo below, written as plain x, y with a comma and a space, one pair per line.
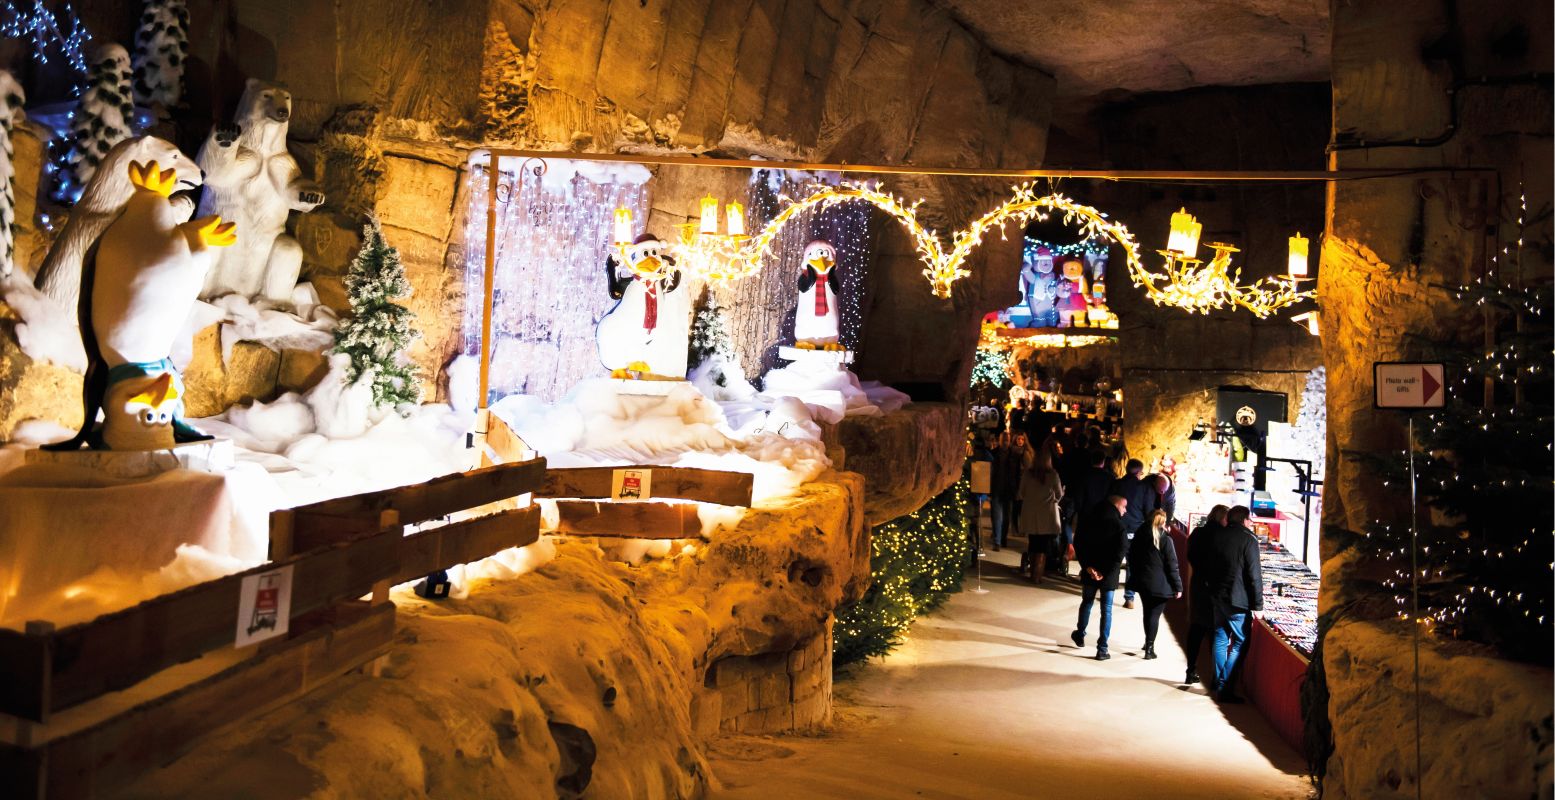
1041, 289
815, 318
136, 291
1073, 300
647, 332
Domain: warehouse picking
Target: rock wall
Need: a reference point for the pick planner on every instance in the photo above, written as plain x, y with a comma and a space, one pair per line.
906, 457
772, 692
1442, 86
1485, 723
587, 677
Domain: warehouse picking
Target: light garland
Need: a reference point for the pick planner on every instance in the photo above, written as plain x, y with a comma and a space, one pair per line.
45, 30
1084, 247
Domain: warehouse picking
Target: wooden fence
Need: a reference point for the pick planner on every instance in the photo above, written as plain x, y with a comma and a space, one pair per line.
86, 708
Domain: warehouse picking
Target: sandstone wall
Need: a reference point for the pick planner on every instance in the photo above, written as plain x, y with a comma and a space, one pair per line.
1389, 244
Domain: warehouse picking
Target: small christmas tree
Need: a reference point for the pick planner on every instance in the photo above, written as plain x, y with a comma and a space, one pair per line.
11, 99
100, 120
161, 45
709, 337
378, 330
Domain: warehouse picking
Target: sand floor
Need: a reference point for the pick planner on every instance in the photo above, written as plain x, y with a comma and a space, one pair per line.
988, 698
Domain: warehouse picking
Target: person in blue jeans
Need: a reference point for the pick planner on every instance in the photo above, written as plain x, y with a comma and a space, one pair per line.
1101, 544
1228, 567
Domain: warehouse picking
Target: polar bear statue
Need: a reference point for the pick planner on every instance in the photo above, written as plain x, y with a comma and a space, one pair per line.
101, 203
251, 180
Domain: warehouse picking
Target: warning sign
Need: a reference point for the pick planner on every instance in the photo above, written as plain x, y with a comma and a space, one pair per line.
1410, 384
631, 484
264, 606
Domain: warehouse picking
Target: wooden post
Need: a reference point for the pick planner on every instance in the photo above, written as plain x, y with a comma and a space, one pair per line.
489, 279
283, 524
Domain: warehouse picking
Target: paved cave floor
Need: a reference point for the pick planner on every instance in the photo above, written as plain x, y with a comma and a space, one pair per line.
989, 699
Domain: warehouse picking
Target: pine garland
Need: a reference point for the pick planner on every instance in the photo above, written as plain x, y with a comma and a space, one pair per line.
101, 119
1486, 541
161, 45
378, 330
993, 367
918, 561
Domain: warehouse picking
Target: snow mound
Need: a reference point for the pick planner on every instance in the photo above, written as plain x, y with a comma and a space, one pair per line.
309, 325
832, 393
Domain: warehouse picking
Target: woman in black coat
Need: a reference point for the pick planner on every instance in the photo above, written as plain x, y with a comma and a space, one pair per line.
1152, 573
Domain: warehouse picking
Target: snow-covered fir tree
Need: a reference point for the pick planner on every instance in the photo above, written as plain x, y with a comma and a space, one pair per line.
161, 45
378, 331
101, 119
11, 99
710, 338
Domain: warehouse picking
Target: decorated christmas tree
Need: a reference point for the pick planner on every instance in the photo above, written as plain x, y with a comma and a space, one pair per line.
1484, 478
378, 331
161, 45
11, 99
101, 119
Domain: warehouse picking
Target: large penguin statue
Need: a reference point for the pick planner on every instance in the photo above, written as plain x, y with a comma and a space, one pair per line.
648, 331
137, 286
815, 318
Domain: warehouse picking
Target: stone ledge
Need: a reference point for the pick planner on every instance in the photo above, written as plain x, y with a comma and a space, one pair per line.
906, 457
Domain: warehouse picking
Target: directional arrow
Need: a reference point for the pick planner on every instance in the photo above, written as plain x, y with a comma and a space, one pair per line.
1429, 384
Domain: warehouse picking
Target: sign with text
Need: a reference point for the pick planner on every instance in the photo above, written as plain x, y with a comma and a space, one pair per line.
1409, 385
264, 606
631, 484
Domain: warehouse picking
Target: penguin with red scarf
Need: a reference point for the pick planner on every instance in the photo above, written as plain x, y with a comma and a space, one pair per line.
815, 318
648, 330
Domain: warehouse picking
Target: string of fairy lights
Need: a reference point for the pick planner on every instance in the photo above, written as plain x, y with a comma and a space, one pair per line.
61, 32
1489, 558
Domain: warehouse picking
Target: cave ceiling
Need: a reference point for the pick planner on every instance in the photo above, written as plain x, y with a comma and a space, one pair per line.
1101, 51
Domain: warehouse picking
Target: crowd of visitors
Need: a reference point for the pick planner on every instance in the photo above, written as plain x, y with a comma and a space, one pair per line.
1058, 486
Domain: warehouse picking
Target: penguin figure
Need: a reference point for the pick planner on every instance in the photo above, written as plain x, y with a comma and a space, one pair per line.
815, 318
137, 285
648, 330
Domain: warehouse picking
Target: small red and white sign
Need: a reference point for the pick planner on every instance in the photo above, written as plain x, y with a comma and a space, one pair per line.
1410, 384
264, 606
631, 484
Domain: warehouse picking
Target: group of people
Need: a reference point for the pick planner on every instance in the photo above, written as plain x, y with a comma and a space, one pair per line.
1070, 505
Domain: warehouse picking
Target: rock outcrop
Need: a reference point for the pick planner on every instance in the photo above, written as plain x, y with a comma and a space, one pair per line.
906, 457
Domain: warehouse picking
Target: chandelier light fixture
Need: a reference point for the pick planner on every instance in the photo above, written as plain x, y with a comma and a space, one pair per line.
1197, 286
701, 250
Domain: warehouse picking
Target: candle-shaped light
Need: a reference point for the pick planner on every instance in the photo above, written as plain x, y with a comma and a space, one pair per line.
1184, 236
1308, 320
736, 219
709, 215
624, 226
1298, 257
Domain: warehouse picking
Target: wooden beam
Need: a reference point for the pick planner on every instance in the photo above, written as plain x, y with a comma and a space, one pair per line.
117, 650
466, 541
24, 674
508, 445
629, 520
108, 756
681, 483
438, 497
1286, 176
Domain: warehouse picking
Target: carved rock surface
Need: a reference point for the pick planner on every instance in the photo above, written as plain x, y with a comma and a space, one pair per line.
1486, 722
33, 391
906, 457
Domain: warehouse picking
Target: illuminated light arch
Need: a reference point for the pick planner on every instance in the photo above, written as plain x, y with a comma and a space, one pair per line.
1191, 288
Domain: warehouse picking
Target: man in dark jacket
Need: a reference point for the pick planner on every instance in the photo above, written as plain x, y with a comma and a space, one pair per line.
1201, 612
1101, 543
1141, 499
1009, 458
1227, 567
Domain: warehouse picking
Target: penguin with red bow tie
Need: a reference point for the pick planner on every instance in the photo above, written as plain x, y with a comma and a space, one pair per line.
647, 331
815, 319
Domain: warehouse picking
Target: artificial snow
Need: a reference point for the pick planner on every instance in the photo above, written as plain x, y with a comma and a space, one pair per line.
307, 326
832, 393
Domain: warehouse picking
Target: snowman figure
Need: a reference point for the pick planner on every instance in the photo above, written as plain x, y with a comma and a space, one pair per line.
648, 330
815, 319
1042, 289
1073, 298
